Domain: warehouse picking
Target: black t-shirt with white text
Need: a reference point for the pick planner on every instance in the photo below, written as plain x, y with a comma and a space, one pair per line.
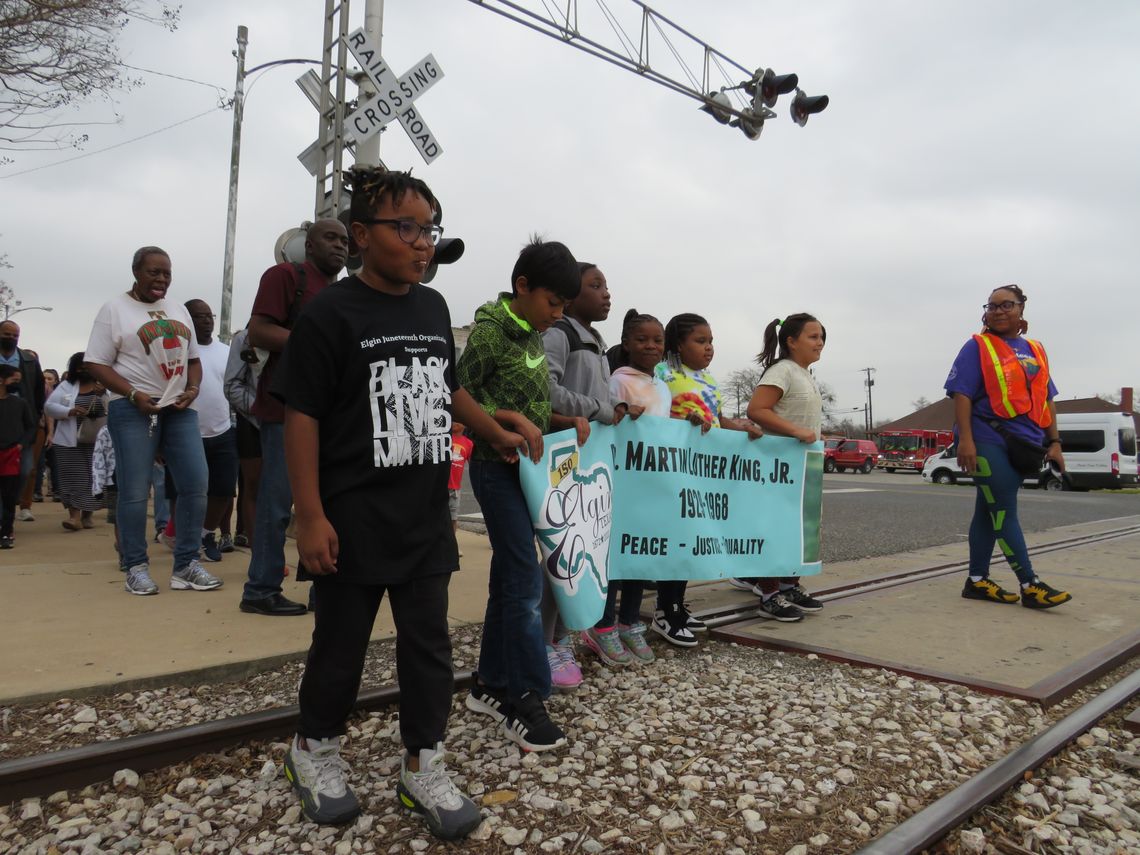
377, 371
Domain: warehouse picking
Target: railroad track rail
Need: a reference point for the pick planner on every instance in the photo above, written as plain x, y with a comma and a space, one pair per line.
721, 616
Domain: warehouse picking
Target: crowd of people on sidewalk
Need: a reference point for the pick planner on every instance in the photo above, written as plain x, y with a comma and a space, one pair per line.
346, 405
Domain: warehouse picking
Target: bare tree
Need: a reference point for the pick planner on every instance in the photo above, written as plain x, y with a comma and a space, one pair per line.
920, 402
55, 54
740, 385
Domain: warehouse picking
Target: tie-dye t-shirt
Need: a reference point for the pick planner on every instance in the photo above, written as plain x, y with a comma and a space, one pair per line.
692, 392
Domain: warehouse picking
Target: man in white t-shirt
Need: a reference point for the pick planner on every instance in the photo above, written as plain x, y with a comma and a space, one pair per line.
215, 423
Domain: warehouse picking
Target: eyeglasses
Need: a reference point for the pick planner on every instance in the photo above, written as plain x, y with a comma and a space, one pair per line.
202, 315
1004, 306
409, 230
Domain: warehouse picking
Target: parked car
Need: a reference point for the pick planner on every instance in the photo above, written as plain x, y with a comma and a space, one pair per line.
857, 454
1099, 448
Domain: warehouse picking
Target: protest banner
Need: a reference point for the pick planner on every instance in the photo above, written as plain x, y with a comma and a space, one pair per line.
654, 498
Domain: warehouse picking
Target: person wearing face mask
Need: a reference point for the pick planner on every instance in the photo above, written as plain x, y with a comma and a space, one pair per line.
15, 421
31, 389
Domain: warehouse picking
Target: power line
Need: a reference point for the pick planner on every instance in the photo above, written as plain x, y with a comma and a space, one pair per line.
110, 147
177, 77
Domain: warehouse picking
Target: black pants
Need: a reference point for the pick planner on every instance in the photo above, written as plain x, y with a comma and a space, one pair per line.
670, 594
345, 612
9, 499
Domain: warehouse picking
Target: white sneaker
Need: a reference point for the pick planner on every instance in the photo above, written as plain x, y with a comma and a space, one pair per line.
139, 581
432, 794
25, 515
318, 775
194, 576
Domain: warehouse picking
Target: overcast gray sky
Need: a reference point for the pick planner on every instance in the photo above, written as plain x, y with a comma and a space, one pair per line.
967, 145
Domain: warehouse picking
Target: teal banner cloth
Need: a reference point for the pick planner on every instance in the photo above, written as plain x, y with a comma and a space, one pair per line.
656, 499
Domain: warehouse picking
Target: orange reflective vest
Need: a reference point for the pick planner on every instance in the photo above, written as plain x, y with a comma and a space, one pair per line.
1010, 390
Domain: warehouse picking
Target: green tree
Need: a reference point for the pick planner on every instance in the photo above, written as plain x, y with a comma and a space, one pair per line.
56, 54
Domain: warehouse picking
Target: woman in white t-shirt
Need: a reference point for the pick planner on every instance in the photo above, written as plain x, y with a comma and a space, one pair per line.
787, 403
142, 349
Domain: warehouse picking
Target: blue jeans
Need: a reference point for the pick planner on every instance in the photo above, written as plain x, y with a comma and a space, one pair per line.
513, 653
995, 515
271, 517
176, 438
161, 506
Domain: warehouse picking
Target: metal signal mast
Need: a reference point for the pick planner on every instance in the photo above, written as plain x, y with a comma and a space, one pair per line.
656, 48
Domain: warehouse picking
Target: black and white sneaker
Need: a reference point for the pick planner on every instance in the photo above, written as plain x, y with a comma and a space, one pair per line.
801, 599
484, 699
672, 627
692, 622
528, 724
777, 608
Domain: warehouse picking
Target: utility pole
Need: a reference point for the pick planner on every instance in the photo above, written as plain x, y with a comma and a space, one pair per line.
231, 207
869, 382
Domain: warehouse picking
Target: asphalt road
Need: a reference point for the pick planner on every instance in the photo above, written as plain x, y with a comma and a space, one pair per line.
887, 513
900, 512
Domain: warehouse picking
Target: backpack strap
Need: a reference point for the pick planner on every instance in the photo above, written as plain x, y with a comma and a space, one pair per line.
572, 336
301, 275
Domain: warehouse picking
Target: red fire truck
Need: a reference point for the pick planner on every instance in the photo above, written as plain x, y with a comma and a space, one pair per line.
908, 449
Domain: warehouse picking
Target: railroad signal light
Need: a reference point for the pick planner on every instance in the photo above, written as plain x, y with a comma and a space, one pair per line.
806, 105
750, 126
717, 105
766, 86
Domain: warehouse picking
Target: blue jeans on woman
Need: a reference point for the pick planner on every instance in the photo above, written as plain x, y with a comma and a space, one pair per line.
995, 515
176, 438
513, 652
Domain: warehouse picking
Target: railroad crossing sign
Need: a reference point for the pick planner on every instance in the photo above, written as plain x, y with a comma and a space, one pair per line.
393, 101
394, 97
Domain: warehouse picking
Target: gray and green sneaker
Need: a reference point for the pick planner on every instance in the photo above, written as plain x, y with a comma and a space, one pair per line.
607, 644
317, 773
633, 637
193, 576
139, 581
432, 794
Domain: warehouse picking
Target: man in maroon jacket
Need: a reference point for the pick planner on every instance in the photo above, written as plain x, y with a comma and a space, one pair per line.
284, 290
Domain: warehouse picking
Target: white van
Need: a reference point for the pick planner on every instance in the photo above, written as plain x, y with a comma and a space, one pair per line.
1100, 450
1100, 453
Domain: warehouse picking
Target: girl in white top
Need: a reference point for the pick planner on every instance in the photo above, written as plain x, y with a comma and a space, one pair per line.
787, 403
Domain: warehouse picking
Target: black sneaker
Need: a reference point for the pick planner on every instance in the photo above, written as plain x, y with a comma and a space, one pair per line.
484, 699
210, 551
777, 608
225, 544
241, 540
6, 543
672, 627
986, 589
1038, 595
692, 622
801, 599
530, 726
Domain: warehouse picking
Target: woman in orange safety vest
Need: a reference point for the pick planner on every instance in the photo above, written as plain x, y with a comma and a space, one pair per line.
1004, 415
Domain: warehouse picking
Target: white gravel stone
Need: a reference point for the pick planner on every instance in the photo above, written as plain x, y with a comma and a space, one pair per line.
125, 779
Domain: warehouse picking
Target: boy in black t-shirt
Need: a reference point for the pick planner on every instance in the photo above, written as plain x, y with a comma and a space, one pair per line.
369, 387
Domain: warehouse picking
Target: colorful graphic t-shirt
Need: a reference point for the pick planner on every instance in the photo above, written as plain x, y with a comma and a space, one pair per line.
692, 392
148, 344
966, 378
376, 372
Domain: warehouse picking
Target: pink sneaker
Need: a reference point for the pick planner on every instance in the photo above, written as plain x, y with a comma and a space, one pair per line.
565, 675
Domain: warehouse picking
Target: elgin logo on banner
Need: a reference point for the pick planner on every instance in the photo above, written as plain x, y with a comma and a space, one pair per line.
572, 522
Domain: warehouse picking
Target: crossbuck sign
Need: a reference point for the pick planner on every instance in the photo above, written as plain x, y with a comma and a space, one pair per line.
394, 97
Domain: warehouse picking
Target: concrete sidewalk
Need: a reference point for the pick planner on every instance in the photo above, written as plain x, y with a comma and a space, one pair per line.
69, 626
